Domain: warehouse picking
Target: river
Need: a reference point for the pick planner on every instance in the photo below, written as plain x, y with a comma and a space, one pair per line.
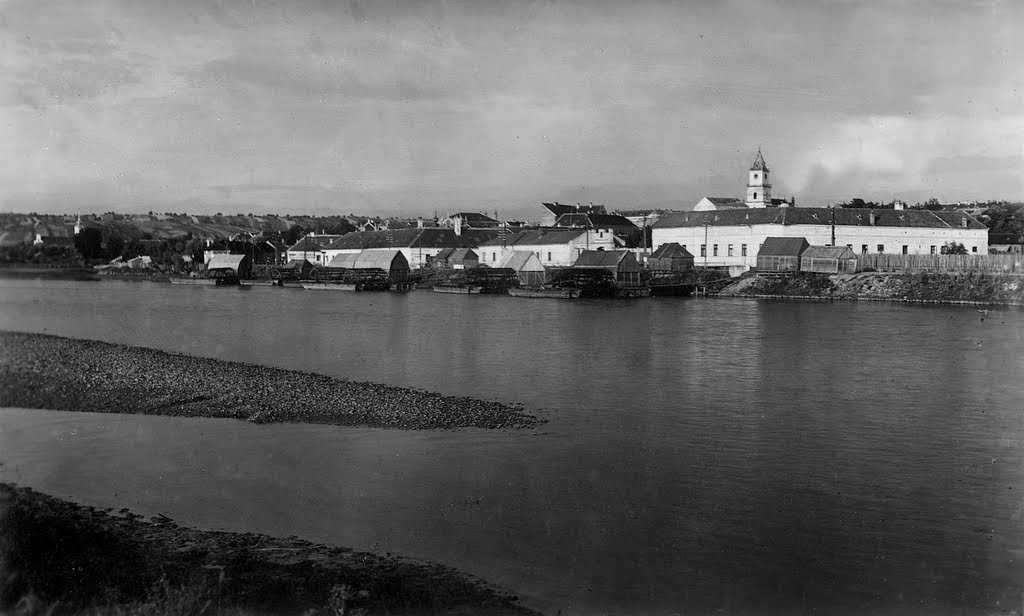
701, 455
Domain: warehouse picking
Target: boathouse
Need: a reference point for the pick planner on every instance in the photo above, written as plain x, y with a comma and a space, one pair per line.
527, 267
781, 254
222, 265
671, 257
463, 258
621, 263
828, 260
391, 261
296, 269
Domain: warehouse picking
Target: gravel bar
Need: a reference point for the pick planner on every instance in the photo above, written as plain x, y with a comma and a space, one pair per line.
69, 374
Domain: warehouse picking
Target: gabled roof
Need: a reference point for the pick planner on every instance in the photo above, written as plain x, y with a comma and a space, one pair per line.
222, 261
471, 217
829, 252
444, 255
594, 221
385, 259
464, 254
411, 238
818, 216
759, 164
538, 237
783, 247
521, 261
296, 264
726, 201
601, 258
672, 250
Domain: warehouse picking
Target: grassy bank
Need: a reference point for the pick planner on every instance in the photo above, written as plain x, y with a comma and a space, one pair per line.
58, 557
52, 372
950, 288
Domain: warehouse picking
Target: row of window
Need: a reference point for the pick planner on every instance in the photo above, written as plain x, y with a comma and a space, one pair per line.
714, 250
905, 249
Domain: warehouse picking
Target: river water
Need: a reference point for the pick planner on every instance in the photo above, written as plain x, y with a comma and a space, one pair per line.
702, 455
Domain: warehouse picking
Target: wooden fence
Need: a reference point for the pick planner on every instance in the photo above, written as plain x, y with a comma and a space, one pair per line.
988, 264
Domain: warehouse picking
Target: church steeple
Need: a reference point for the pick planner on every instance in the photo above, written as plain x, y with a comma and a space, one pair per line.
78, 224
759, 189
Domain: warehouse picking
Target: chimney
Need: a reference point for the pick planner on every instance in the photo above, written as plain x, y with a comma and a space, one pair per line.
871, 218
458, 225
419, 222
964, 222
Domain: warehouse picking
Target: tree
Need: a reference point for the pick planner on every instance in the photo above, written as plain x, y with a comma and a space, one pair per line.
954, 248
89, 243
115, 246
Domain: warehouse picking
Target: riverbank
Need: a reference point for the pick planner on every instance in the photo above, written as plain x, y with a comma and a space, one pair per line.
931, 288
61, 557
51, 372
47, 273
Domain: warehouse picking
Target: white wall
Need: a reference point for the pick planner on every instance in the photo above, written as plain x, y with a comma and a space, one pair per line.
552, 255
918, 240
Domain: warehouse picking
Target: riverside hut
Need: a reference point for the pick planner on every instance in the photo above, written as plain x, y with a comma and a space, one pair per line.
828, 260
621, 263
391, 261
671, 257
527, 267
781, 254
229, 266
463, 258
296, 269
442, 259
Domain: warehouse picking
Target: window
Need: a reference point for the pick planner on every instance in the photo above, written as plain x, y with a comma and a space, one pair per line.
730, 250
714, 248
755, 176
743, 250
904, 249
974, 249
931, 250
549, 256
494, 256
755, 195
600, 234
881, 248
864, 249
703, 250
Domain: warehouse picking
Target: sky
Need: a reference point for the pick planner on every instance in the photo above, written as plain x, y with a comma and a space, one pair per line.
383, 107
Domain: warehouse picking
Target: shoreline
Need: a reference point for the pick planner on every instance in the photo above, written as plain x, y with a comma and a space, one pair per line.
43, 371
60, 556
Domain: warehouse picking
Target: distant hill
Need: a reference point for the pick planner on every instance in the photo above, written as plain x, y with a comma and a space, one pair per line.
17, 228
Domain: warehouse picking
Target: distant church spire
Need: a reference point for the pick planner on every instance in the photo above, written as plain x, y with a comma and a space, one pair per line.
78, 224
759, 189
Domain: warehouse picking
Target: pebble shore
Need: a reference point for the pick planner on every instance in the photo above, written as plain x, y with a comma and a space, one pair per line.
53, 372
58, 557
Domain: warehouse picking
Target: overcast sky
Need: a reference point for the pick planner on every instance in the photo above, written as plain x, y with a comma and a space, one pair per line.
381, 107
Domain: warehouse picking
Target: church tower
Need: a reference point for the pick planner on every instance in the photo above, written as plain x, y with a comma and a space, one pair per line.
759, 189
78, 224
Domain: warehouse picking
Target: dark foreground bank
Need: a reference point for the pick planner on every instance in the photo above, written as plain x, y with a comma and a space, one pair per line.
59, 557
52, 372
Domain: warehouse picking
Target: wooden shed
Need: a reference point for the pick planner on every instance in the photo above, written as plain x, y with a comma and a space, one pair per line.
464, 258
391, 261
828, 260
527, 266
671, 257
229, 266
621, 263
781, 254
442, 260
296, 269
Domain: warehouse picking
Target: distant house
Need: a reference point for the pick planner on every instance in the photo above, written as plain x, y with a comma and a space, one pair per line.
473, 220
527, 267
298, 269
607, 222
554, 246
464, 258
828, 260
142, 262
239, 266
441, 259
621, 263
710, 204
671, 257
311, 247
781, 254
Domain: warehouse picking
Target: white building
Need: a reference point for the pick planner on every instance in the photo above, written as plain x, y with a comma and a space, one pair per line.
733, 237
417, 245
311, 248
553, 246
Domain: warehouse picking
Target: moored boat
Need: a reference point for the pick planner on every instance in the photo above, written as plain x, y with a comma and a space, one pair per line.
548, 292
464, 290
330, 286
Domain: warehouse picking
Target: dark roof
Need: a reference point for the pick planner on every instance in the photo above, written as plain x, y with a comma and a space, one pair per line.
783, 247
829, 252
464, 254
411, 238
594, 221
558, 209
672, 250
444, 255
296, 264
726, 201
638, 212
759, 164
538, 237
601, 258
818, 216
472, 217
